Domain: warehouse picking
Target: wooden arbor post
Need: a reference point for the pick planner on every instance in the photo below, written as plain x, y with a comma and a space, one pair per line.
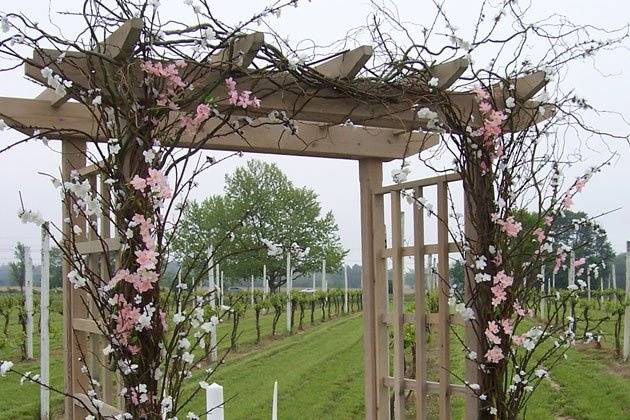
374, 286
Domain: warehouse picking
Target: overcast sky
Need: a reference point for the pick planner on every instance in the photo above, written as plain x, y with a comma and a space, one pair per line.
606, 84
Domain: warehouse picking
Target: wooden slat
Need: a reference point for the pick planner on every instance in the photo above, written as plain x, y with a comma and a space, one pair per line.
424, 182
73, 120
420, 310
398, 301
432, 319
98, 246
444, 402
370, 176
431, 386
346, 65
409, 251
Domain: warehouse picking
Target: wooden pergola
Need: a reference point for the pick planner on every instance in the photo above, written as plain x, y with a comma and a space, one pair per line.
381, 131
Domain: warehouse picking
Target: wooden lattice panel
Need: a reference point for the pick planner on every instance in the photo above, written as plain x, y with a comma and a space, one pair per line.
386, 396
84, 340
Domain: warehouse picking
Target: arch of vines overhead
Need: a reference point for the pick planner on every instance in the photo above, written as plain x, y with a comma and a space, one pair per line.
134, 101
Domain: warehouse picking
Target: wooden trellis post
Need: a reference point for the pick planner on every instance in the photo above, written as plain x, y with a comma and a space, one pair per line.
44, 347
289, 289
28, 301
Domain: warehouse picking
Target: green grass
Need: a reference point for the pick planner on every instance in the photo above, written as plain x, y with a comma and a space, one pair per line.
320, 376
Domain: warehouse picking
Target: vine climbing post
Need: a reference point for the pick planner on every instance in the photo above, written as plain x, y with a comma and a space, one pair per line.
28, 301
44, 348
289, 288
345, 289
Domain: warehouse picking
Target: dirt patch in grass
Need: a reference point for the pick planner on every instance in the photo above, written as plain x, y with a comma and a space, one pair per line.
608, 358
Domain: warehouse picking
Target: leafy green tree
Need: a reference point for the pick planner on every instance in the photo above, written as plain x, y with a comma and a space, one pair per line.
259, 203
575, 229
620, 270
18, 266
56, 259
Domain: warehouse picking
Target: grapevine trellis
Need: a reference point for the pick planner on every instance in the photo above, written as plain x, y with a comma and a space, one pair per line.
380, 131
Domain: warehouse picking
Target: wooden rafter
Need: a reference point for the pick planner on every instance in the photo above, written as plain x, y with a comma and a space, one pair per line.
240, 52
346, 65
121, 42
118, 45
449, 71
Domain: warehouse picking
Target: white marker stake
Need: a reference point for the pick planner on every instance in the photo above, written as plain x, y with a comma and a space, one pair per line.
214, 402
28, 300
214, 353
44, 393
588, 282
274, 404
345, 284
626, 321
324, 283
212, 284
314, 280
221, 290
252, 291
265, 283
289, 287
543, 301
601, 288
553, 279
614, 276
572, 269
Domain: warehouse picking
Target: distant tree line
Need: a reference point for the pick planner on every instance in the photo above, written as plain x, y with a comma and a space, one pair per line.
12, 274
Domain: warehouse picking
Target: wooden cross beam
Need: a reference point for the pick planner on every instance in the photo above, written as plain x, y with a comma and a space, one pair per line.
73, 120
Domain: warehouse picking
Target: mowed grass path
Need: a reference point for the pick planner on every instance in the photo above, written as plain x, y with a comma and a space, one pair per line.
320, 376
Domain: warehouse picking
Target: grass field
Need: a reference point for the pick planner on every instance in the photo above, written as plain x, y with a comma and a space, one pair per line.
320, 376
